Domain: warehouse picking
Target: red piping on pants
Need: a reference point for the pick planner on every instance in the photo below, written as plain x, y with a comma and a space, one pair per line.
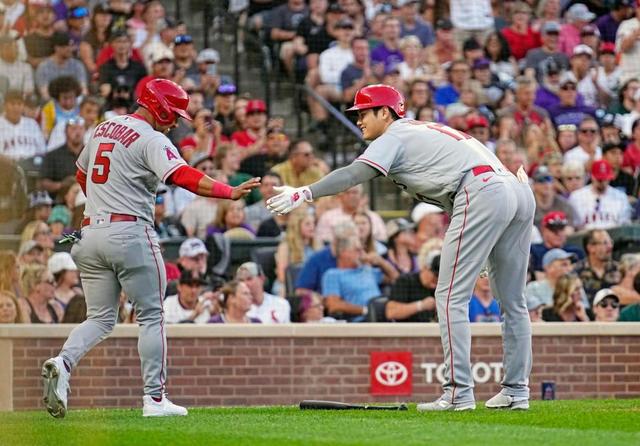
160, 291
453, 275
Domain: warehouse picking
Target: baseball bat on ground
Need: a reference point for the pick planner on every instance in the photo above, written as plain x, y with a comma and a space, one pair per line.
334, 405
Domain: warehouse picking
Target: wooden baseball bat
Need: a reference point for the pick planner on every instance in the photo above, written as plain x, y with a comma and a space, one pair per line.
335, 405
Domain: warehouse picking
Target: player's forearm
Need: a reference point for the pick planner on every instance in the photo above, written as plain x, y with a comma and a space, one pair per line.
200, 184
342, 179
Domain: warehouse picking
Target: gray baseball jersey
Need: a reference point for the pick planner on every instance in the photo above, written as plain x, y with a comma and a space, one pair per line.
427, 159
124, 161
491, 219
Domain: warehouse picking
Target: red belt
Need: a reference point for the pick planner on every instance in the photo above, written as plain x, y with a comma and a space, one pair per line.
479, 170
114, 218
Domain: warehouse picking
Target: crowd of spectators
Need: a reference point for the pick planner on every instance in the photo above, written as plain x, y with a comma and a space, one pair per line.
549, 84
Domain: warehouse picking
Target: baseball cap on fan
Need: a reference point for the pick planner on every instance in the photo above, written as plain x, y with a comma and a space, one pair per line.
603, 294
422, 210
248, 270
208, 55
601, 170
555, 220
61, 261
256, 106
192, 247
556, 254
398, 225
578, 11
161, 54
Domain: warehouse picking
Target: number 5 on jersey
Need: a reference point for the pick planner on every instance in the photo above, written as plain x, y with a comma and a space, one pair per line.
102, 163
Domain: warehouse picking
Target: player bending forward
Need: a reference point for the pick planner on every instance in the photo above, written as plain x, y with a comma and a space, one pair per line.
119, 170
491, 217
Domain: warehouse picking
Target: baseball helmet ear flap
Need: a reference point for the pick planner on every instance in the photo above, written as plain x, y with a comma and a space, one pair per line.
164, 99
379, 95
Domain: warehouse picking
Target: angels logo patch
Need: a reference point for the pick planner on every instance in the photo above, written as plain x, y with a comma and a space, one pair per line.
170, 154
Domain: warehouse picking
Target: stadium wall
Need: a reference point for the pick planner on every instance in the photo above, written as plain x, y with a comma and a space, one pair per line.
237, 365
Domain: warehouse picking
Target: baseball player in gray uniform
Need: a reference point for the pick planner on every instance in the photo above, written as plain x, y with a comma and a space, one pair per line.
119, 170
491, 218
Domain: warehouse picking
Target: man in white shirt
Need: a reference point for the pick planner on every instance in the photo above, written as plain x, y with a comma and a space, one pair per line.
20, 137
471, 19
598, 205
189, 306
326, 82
350, 203
628, 47
19, 73
268, 308
588, 148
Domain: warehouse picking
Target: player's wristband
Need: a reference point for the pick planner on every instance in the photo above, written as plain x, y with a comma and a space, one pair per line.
221, 190
306, 193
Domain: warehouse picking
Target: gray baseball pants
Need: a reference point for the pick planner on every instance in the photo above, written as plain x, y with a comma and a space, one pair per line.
122, 256
492, 220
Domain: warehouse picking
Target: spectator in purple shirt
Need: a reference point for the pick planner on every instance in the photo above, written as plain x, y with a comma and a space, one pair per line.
236, 303
387, 55
608, 24
569, 111
412, 23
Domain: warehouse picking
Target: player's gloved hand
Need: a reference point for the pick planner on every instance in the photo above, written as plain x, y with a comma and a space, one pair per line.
245, 188
288, 199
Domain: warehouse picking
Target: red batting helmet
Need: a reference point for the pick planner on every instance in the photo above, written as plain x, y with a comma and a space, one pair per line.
164, 99
379, 96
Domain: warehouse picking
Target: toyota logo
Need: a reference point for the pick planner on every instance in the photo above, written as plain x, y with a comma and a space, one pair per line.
391, 373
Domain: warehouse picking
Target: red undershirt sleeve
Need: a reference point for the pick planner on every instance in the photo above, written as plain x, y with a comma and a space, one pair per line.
189, 178
82, 180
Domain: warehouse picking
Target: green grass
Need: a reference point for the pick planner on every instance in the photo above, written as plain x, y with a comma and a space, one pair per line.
565, 423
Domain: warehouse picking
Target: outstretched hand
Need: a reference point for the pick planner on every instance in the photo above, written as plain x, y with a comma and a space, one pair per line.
245, 188
288, 199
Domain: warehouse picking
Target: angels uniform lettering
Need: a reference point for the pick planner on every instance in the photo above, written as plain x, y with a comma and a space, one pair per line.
121, 133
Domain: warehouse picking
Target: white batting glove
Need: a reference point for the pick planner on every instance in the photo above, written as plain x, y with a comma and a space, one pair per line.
288, 199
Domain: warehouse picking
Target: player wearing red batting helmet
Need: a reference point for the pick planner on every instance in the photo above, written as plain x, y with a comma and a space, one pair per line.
491, 217
164, 100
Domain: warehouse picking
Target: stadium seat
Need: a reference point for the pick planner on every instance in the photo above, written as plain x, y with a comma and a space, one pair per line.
376, 309
266, 258
290, 277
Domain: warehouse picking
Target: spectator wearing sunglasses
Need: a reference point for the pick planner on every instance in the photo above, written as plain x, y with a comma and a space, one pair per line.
553, 230
569, 110
77, 25
606, 306
598, 270
39, 307
588, 148
547, 199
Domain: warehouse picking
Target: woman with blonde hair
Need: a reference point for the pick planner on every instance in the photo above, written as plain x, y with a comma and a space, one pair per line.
297, 246
629, 268
411, 67
10, 273
38, 306
567, 301
39, 232
236, 303
538, 142
573, 176
231, 217
9, 308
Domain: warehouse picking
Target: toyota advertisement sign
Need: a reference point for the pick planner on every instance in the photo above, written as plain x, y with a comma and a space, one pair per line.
391, 373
